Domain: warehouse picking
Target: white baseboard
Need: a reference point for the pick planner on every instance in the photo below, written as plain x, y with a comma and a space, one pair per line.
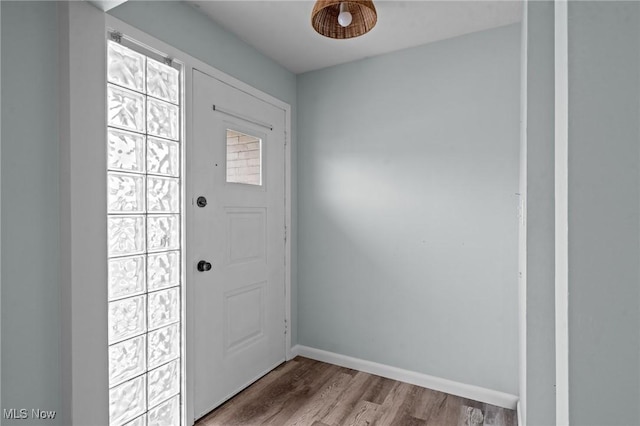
294, 351
476, 393
519, 412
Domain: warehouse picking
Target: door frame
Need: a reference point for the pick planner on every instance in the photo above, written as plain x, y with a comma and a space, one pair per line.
191, 272
83, 258
191, 64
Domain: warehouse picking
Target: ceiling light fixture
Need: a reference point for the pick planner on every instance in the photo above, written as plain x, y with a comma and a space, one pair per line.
343, 19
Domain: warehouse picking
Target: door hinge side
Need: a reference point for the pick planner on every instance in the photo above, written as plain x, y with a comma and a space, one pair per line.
285, 233
286, 326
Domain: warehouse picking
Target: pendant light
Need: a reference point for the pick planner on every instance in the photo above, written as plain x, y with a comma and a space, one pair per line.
343, 19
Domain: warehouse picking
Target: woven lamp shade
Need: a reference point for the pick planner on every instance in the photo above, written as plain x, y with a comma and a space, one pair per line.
324, 18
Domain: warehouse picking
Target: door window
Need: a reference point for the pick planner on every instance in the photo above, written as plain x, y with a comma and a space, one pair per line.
244, 158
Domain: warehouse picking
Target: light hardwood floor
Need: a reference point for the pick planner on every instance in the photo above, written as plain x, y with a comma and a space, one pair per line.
305, 392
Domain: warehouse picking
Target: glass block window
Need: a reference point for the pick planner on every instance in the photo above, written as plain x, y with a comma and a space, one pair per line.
144, 230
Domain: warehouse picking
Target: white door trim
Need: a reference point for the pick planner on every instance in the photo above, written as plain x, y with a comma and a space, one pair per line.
561, 54
522, 225
83, 214
85, 387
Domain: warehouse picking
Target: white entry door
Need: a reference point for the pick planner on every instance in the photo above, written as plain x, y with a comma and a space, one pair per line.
237, 240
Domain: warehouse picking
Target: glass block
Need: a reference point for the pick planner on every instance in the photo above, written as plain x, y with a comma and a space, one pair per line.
162, 119
127, 359
163, 382
125, 235
163, 270
165, 414
163, 157
125, 193
127, 401
163, 232
126, 276
162, 81
164, 307
125, 67
140, 421
126, 109
125, 151
163, 195
244, 158
127, 318
164, 345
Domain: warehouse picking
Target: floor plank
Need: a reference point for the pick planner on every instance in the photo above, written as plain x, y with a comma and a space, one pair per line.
447, 412
380, 388
321, 404
304, 392
363, 414
348, 399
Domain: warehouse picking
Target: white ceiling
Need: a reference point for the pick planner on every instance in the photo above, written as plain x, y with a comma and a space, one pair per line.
282, 29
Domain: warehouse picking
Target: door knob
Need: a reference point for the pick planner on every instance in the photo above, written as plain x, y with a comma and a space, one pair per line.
201, 201
204, 266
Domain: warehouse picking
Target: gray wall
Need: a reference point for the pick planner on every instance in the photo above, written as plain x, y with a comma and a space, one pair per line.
604, 184
407, 208
540, 217
0, 210
184, 27
30, 299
